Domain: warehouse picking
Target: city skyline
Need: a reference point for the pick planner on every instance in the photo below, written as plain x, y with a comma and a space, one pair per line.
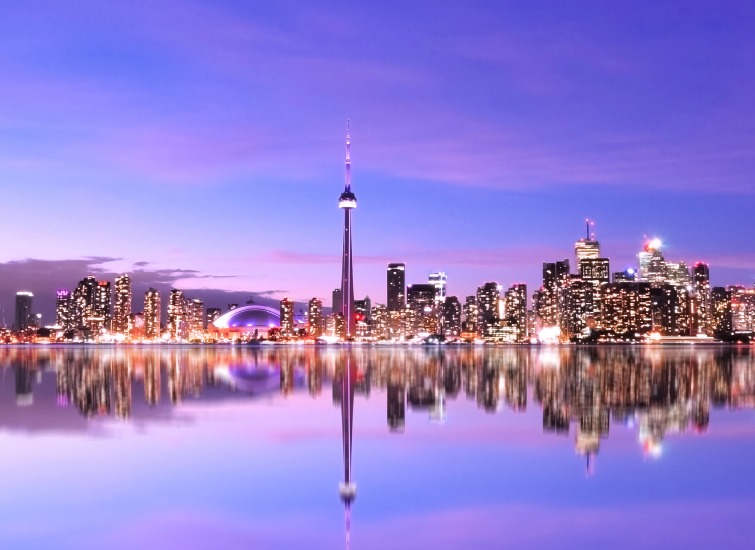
479, 158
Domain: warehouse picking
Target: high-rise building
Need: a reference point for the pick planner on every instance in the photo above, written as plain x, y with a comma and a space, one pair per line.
347, 201
421, 309
676, 310
337, 307
451, 317
587, 248
287, 317
102, 307
195, 318
652, 264
488, 319
721, 312
626, 309
211, 314
152, 314
363, 309
23, 310
396, 287
84, 298
515, 310
595, 271
440, 281
177, 322
701, 287
122, 308
550, 296
315, 317
64, 309
470, 315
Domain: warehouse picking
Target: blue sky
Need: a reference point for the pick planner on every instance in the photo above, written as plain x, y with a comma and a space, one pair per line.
208, 136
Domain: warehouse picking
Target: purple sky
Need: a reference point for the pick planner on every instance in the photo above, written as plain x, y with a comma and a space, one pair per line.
208, 136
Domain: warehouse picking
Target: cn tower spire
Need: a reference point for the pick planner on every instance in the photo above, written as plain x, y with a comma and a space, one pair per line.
347, 202
348, 156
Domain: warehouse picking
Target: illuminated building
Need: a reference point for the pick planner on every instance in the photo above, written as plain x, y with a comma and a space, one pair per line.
315, 319
249, 321
23, 310
211, 315
488, 320
380, 321
396, 287
440, 281
452, 317
102, 307
122, 306
595, 271
194, 318
676, 310
334, 324
84, 297
587, 248
177, 322
652, 264
152, 314
701, 286
363, 313
742, 308
421, 309
469, 325
626, 309
515, 311
287, 317
721, 312
347, 202
580, 308
629, 275
677, 273
550, 298
64, 309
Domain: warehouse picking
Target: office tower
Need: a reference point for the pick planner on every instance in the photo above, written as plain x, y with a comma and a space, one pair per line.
420, 309
701, 287
210, 316
629, 275
177, 326
195, 318
84, 297
451, 317
122, 307
579, 309
287, 317
23, 310
396, 287
102, 307
64, 309
626, 309
380, 322
595, 271
152, 314
587, 248
470, 315
652, 264
347, 201
337, 308
363, 309
555, 276
515, 311
487, 310
439, 280
721, 312
315, 317
677, 273
676, 310
742, 308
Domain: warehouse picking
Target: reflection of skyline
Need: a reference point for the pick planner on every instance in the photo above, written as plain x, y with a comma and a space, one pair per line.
659, 392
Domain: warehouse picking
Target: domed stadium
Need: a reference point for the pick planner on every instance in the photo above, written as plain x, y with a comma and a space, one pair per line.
247, 320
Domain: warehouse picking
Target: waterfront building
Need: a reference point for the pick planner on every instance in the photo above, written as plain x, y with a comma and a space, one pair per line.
211, 316
152, 314
122, 307
652, 264
315, 319
337, 303
64, 309
627, 309
488, 320
515, 311
469, 326
421, 310
195, 318
676, 310
440, 281
24, 318
701, 287
287, 317
84, 297
721, 312
451, 327
177, 321
396, 288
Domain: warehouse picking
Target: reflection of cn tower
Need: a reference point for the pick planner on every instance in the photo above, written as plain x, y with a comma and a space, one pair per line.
347, 488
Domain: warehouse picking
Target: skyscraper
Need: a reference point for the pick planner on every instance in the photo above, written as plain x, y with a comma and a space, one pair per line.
701, 285
23, 310
347, 202
337, 302
122, 307
315, 318
287, 317
439, 280
177, 326
63, 309
396, 286
587, 248
84, 298
102, 306
487, 309
152, 314
195, 318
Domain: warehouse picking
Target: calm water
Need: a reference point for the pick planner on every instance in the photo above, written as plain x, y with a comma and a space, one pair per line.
621, 447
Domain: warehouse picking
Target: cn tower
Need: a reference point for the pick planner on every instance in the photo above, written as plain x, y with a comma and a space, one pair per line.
348, 201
